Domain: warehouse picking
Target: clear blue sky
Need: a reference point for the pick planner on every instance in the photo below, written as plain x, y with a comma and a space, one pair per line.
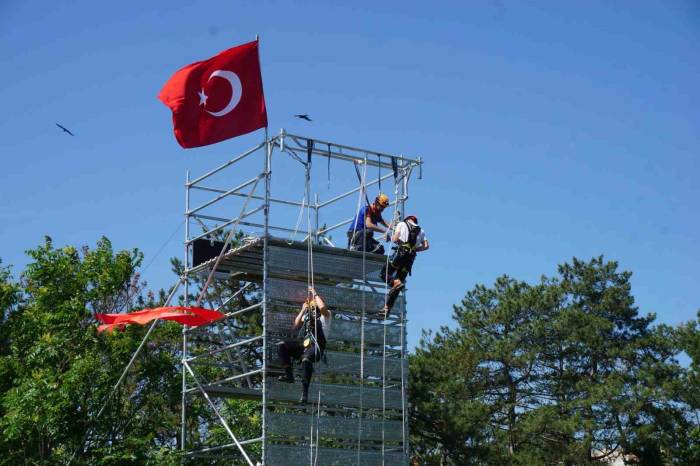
549, 129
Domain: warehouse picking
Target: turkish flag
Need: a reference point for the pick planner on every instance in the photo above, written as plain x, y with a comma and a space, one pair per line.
218, 98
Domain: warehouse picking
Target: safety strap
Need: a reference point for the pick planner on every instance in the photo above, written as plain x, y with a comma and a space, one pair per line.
361, 180
329, 166
309, 150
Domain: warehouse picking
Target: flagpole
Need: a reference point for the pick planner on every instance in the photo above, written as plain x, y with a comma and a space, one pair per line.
257, 39
266, 168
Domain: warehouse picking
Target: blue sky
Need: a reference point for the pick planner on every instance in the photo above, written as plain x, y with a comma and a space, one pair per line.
548, 129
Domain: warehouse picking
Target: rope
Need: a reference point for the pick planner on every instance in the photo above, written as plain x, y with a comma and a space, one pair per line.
362, 319
386, 293
313, 455
296, 227
167, 241
329, 166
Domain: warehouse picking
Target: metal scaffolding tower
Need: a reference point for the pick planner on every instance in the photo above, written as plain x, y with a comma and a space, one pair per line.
357, 400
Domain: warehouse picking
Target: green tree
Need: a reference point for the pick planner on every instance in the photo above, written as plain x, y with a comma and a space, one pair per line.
561, 372
57, 371
470, 386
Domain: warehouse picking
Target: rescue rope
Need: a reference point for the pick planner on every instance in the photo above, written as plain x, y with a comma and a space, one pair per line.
362, 316
310, 282
394, 220
386, 294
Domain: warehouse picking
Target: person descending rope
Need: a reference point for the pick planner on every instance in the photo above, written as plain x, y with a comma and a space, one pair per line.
409, 239
313, 322
361, 231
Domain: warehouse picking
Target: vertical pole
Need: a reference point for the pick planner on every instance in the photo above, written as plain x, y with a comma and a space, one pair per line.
266, 258
266, 230
183, 414
404, 373
316, 237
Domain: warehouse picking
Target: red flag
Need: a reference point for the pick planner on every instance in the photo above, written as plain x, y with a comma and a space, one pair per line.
218, 98
192, 316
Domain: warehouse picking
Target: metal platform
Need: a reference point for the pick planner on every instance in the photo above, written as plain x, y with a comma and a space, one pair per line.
283, 454
289, 259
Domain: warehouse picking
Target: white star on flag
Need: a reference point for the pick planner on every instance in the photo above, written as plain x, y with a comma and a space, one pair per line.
202, 97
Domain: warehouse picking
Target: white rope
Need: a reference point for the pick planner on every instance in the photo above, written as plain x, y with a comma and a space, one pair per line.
386, 293
362, 319
301, 213
313, 455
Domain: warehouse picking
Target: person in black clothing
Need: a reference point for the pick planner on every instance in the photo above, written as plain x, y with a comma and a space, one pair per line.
408, 239
313, 322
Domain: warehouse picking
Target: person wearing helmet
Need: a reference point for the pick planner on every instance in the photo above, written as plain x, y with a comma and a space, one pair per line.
368, 220
313, 323
409, 239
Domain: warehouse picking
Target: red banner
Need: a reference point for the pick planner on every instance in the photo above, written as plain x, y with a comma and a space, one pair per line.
192, 316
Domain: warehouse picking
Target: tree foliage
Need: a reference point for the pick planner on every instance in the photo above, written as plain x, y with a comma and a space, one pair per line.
56, 371
565, 371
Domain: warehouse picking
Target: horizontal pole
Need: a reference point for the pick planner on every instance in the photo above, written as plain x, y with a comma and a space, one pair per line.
230, 314
225, 194
223, 447
227, 379
258, 198
248, 224
224, 225
237, 250
357, 149
337, 225
244, 310
354, 190
225, 348
229, 163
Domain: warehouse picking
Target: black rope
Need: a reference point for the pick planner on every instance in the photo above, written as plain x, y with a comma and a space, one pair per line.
309, 150
359, 177
329, 166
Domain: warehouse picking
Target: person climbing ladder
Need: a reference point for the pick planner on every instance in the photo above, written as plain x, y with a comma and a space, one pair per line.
313, 321
408, 239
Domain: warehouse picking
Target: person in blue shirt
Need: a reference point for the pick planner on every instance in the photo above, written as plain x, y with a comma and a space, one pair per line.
368, 220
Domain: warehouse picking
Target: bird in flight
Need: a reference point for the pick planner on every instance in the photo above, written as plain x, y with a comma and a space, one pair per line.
65, 129
303, 117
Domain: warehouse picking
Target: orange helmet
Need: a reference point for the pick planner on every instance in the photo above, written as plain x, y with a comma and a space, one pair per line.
382, 200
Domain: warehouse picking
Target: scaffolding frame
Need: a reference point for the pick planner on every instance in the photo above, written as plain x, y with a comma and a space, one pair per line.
271, 263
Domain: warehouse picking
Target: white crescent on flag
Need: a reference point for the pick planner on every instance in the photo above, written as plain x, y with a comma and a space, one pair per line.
236, 91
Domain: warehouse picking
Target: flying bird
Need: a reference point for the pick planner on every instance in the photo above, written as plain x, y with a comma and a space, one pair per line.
65, 129
303, 117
